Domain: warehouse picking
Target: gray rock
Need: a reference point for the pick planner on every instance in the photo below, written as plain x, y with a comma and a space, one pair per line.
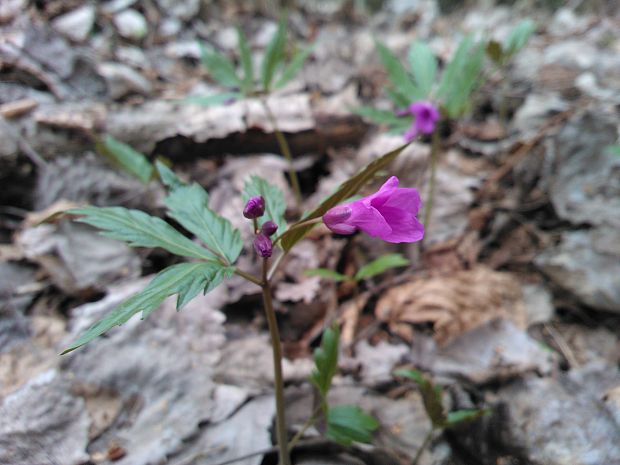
43, 423
561, 421
494, 351
184, 10
14, 298
162, 365
587, 265
77, 24
122, 80
586, 185
538, 303
131, 24
77, 258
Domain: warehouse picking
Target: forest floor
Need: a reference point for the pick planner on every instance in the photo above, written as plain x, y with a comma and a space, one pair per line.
512, 304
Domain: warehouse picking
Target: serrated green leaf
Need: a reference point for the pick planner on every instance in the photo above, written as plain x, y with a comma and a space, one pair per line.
431, 396
212, 100
381, 264
296, 232
246, 62
275, 204
219, 67
464, 416
326, 361
518, 37
292, 69
126, 157
189, 206
461, 77
423, 65
327, 274
349, 423
274, 54
184, 279
140, 229
167, 176
381, 116
398, 74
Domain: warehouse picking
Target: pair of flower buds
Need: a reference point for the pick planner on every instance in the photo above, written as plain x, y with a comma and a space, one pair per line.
389, 214
254, 209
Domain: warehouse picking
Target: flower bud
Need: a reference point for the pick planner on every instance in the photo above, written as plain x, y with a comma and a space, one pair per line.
269, 228
263, 245
255, 208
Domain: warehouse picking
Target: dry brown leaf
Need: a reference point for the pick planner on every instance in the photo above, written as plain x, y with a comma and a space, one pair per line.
454, 304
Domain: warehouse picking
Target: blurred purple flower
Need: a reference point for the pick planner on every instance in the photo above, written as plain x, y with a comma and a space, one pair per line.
269, 228
254, 208
263, 245
425, 116
389, 214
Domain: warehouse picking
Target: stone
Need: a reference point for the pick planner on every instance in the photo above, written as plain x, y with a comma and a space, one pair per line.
185, 10
123, 80
43, 422
131, 24
77, 24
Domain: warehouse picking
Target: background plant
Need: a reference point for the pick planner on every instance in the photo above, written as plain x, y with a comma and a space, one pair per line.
275, 73
432, 399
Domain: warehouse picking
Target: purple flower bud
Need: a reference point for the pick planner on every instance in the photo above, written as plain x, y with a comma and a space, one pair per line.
255, 208
263, 245
269, 228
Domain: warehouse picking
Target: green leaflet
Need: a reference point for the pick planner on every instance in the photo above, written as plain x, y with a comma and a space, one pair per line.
350, 187
327, 274
326, 361
275, 205
274, 54
167, 176
518, 37
220, 67
348, 423
423, 65
184, 279
431, 396
382, 116
140, 229
291, 69
189, 206
245, 54
123, 155
381, 264
398, 74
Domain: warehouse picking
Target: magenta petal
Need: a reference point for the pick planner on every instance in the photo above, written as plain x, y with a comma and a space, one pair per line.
405, 226
369, 220
383, 194
411, 133
407, 199
425, 126
337, 219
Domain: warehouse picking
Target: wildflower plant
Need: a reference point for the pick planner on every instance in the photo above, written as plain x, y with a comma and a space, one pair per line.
218, 244
275, 73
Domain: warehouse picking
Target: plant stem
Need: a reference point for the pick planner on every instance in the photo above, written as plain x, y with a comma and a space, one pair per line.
431, 183
309, 422
286, 151
272, 323
424, 445
248, 276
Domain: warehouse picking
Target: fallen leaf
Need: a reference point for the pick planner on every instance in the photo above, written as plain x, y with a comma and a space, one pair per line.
454, 304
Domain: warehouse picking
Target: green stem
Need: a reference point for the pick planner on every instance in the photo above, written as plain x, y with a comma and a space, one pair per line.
249, 277
272, 323
286, 151
301, 224
309, 422
424, 445
431, 183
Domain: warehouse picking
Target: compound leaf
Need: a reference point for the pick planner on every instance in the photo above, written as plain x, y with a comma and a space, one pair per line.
140, 229
326, 361
349, 423
220, 67
274, 54
423, 65
125, 156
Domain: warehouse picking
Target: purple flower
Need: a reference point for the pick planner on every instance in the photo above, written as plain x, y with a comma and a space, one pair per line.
269, 228
254, 208
425, 116
263, 245
389, 214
